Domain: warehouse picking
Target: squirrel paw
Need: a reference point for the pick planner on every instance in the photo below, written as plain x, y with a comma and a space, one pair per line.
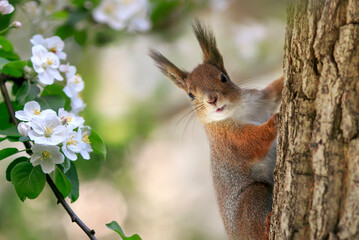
274, 120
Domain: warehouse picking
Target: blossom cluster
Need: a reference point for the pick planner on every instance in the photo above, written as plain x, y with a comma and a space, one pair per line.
50, 131
61, 134
124, 14
46, 56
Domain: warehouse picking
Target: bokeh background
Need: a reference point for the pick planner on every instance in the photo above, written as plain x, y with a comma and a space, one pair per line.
156, 180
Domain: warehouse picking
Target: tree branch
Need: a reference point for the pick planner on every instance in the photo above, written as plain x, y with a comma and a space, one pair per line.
60, 199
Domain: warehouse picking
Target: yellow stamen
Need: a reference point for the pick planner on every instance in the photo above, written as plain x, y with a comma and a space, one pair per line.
49, 61
77, 78
53, 50
68, 119
45, 155
71, 141
85, 138
36, 111
48, 131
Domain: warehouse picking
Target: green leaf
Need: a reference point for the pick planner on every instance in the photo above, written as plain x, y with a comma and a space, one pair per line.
62, 182
52, 102
116, 227
57, 90
81, 37
11, 131
63, 14
65, 31
97, 144
12, 165
66, 164
6, 45
7, 50
27, 92
5, 20
74, 179
3, 61
14, 68
28, 181
5, 121
7, 152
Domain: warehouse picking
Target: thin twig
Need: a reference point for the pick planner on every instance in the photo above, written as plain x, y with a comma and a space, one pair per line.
60, 199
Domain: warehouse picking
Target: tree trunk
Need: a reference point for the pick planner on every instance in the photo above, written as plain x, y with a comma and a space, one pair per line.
316, 192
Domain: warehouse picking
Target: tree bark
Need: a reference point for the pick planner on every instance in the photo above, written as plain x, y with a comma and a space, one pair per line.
316, 192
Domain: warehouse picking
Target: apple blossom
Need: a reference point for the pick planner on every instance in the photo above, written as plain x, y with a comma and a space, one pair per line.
47, 129
23, 129
85, 133
47, 156
68, 69
72, 145
119, 14
74, 84
6, 7
107, 12
70, 120
52, 44
77, 104
32, 8
31, 109
45, 64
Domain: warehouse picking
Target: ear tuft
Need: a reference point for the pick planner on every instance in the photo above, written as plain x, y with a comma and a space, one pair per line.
208, 45
177, 75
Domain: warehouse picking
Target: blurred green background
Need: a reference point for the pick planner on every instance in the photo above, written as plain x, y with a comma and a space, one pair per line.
156, 181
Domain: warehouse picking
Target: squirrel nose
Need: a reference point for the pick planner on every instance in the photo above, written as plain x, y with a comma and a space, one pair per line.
212, 100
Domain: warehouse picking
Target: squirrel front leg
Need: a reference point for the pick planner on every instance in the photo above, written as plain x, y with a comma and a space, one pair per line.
255, 202
254, 141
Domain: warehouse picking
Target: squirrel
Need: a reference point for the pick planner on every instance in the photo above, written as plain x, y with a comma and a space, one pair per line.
242, 134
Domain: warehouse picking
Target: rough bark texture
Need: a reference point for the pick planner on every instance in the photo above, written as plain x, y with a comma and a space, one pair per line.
316, 192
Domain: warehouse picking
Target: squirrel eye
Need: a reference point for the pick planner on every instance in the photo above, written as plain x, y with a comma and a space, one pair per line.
223, 78
191, 96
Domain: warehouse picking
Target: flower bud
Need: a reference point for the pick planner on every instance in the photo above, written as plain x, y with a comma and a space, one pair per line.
15, 24
23, 129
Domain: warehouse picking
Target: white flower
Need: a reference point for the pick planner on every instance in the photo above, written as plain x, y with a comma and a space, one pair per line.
68, 69
52, 44
77, 104
32, 8
6, 7
85, 133
31, 109
70, 119
139, 22
107, 12
47, 156
45, 64
72, 145
23, 129
119, 14
47, 129
74, 84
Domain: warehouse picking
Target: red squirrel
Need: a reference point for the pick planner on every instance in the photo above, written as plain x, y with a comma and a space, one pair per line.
241, 132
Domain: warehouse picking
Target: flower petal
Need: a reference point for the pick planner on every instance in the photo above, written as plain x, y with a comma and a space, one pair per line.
47, 166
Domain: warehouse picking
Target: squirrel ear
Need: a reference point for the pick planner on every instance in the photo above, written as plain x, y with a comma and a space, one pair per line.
177, 75
208, 45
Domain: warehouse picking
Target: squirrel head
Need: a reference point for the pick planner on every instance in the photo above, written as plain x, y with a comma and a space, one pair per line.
208, 86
